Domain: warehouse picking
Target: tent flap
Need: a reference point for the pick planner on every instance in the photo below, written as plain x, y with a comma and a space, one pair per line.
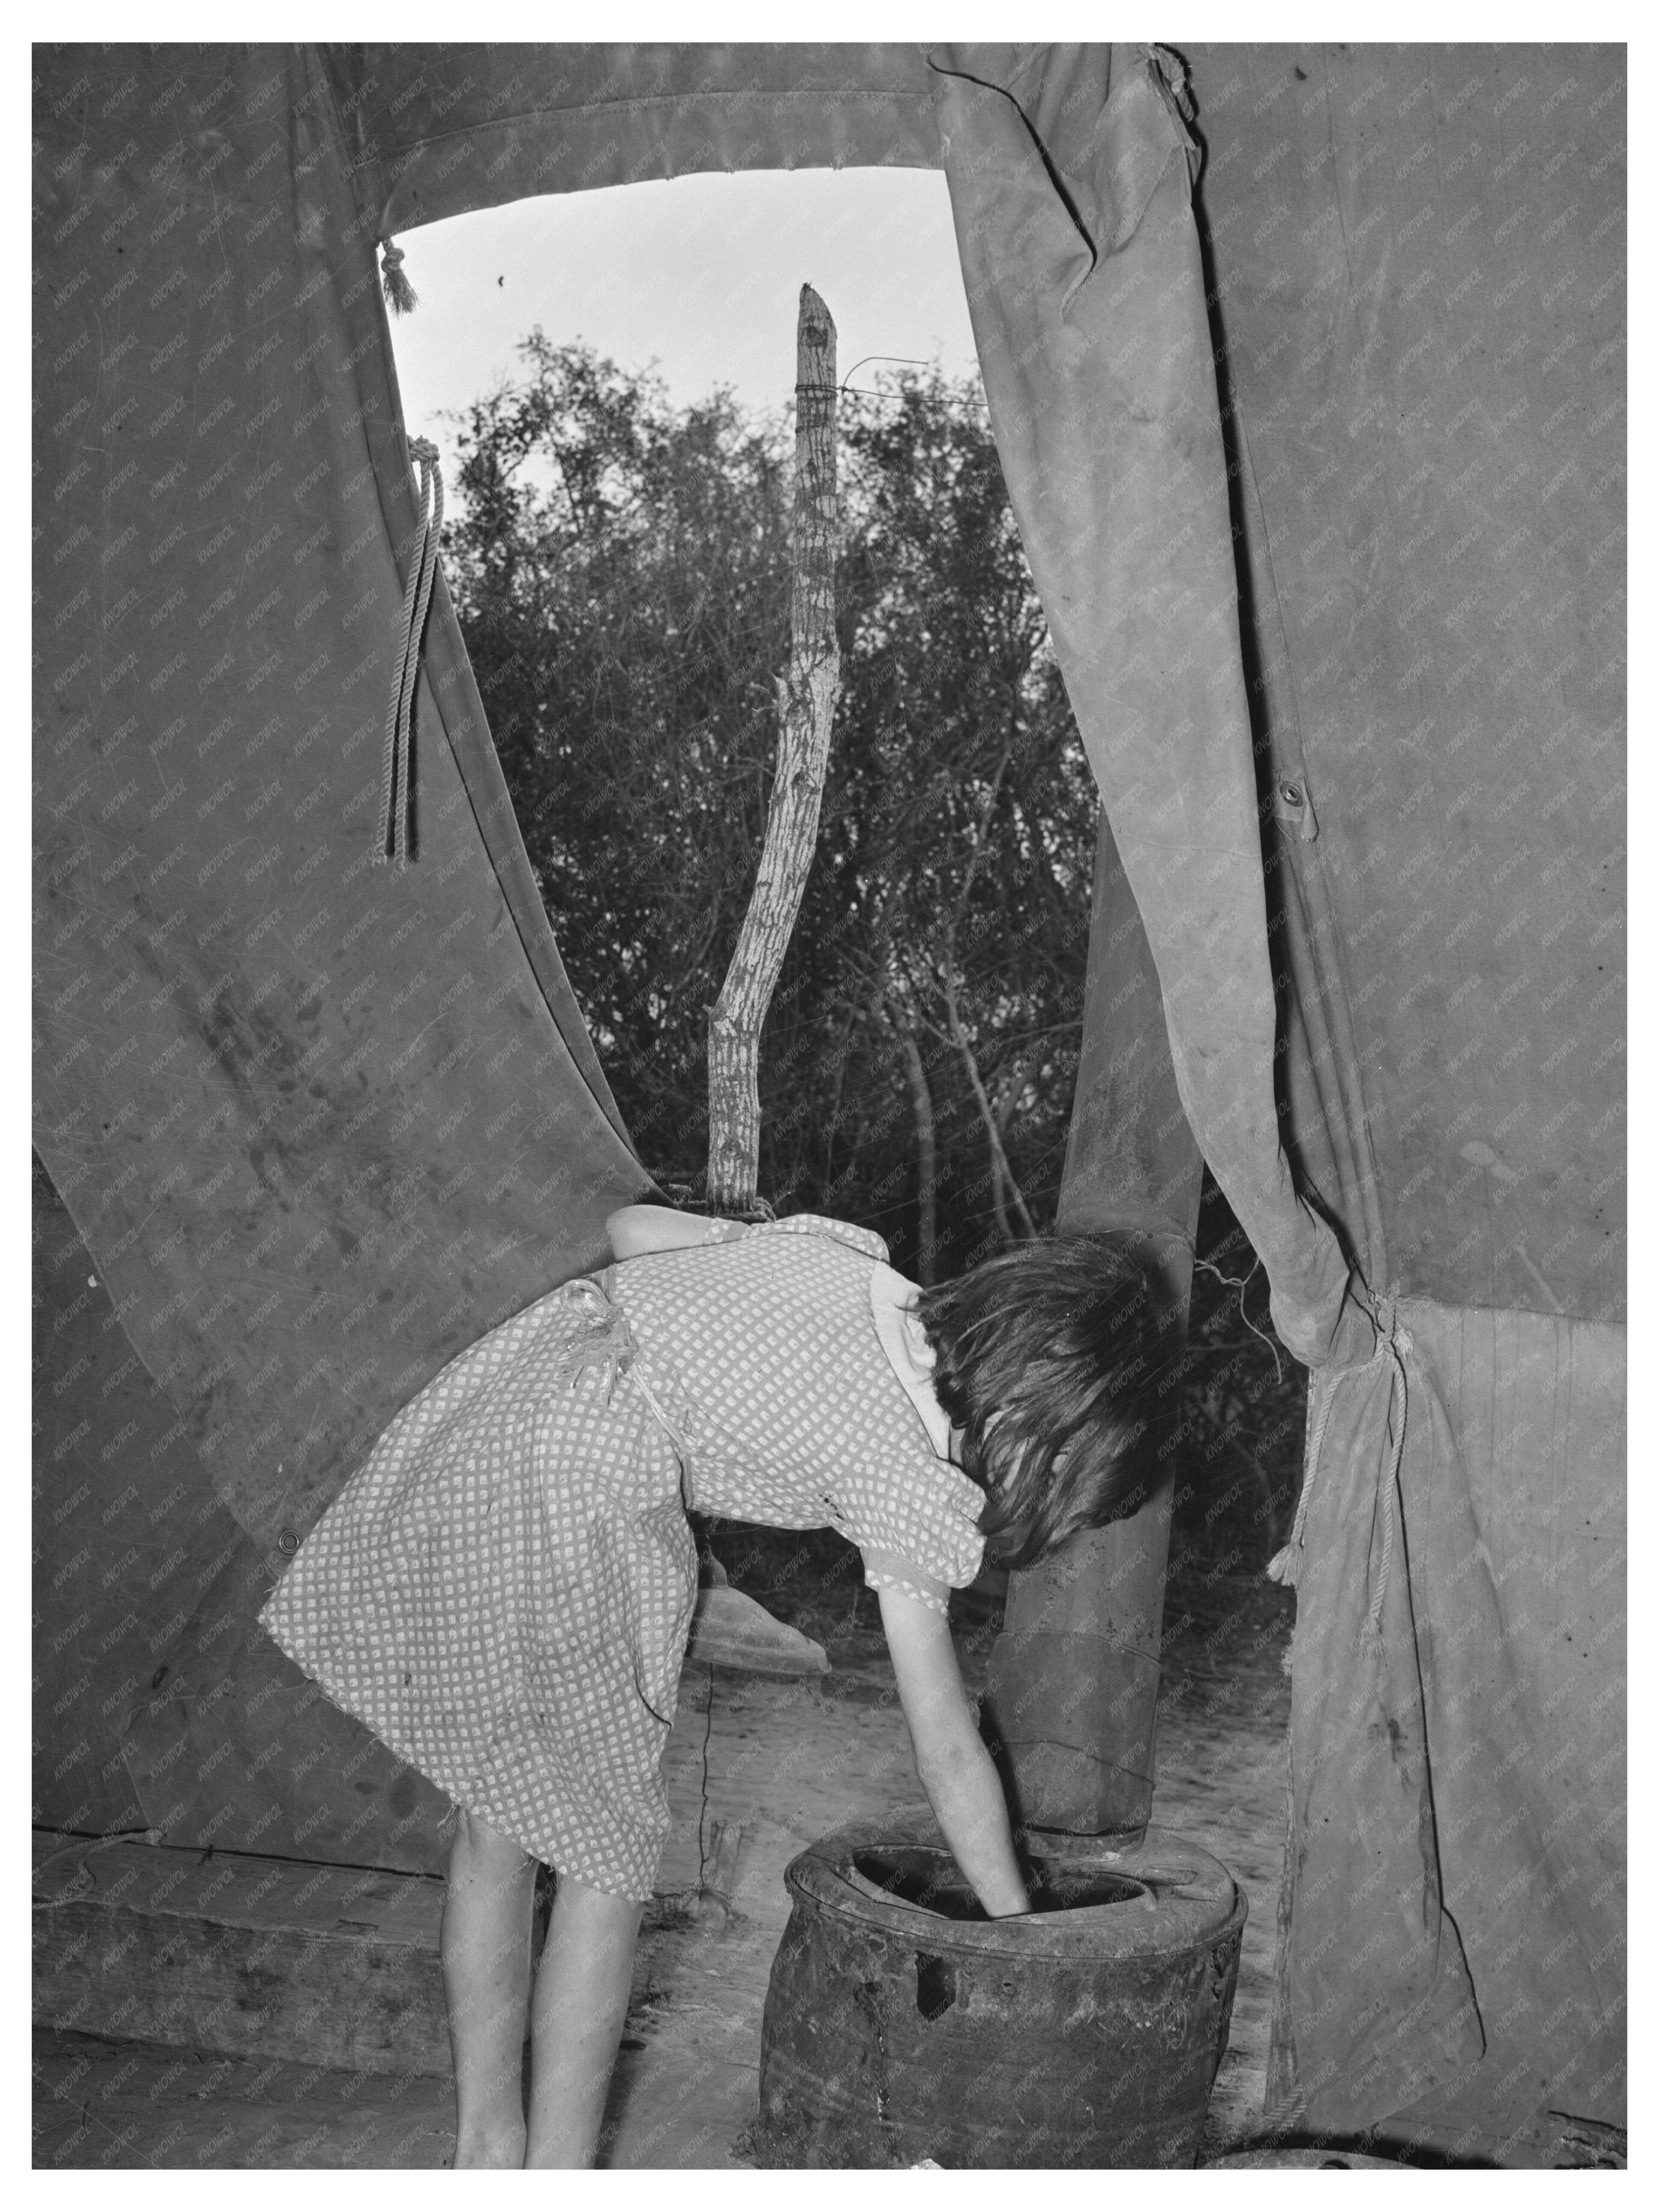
1458, 1783
1095, 354
1375, 1994
321, 1122
439, 132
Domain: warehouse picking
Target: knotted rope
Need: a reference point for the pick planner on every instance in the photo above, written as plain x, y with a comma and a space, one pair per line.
397, 831
1393, 1343
607, 1344
400, 294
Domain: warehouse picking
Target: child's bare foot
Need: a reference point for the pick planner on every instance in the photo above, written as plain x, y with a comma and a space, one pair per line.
501, 2146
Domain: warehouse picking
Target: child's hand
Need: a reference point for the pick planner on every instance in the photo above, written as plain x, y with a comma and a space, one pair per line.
952, 1764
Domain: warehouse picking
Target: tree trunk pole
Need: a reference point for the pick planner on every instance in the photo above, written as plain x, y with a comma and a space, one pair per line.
806, 706
1072, 1693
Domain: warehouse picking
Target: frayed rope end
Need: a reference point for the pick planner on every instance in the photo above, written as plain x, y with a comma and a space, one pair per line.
400, 293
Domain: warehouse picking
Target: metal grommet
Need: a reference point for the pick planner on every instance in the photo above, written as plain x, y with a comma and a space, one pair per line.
1291, 793
287, 1543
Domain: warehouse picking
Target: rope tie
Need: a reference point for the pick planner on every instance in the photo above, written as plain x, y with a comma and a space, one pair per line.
607, 1344
1393, 1343
400, 294
396, 838
1284, 1566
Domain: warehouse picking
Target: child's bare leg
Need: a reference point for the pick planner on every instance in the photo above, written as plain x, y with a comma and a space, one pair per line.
485, 1948
581, 1998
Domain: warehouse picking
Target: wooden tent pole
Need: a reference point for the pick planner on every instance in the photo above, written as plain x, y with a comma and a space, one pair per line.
1074, 1676
806, 706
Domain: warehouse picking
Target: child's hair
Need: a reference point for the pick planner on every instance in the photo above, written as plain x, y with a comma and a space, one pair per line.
1046, 1359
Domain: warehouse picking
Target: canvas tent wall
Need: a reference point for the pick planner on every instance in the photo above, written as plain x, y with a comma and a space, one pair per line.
320, 1123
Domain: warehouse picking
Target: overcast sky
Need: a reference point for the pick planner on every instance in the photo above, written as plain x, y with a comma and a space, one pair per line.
701, 272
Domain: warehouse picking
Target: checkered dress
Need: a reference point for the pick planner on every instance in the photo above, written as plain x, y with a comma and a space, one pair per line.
503, 1590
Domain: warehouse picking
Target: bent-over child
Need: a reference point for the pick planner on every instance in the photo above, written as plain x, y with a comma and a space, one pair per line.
503, 1592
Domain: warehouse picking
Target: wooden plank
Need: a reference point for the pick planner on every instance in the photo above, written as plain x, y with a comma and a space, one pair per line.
338, 1967
242, 1890
330, 1965
110, 2105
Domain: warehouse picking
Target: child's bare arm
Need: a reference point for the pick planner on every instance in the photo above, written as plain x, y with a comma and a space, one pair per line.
634, 1229
953, 1765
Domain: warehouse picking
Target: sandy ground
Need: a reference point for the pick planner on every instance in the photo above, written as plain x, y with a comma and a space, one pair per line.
784, 1762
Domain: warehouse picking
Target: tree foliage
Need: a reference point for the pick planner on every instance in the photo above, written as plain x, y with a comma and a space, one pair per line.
621, 570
